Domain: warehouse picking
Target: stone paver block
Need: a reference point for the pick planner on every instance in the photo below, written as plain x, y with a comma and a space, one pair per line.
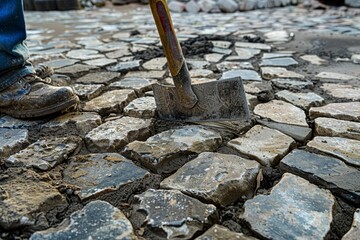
146, 74
15, 123
260, 46
74, 123
140, 85
342, 91
246, 53
282, 112
245, 74
343, 148
302, 100
354, 231
101, 62
265, 145
88, 91
294, 84
45, 153
99, 78
143, 107
106, 176
12, 141
343, 111
114, 135
329, 172
109, 223
217, 178
279, 62
213, 57
218, 232
84, 54
314, 59
172, 215
155, 64
279, 72
167, 151
112, 101
75, 70
125, 66
337, 128
295, 209
24, 196
333, 75
59, 63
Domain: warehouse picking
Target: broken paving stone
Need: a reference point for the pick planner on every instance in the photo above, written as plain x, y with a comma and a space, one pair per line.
291, 84
257, 87
222, 51
298, 133
118, 53
146, 74
155, 64
225, 65
282, 112
314, 59
84, 54
112, 101
353, 233
75, 70
88, 91
276, 55
217, 178
106, 176
44, 154
265, 145
329, 172
169, 214
252, 101
355, 58
74, 123
140, 85
59, 63
344, 111
167, 151
337, 128
101, 62
199, 73
24, 197
279, 62
197, 64
295, 209
342, 91
246, 53
278, 36
221, 44
143, 107
15, 123
302, 100
279, 72
244, 74
114, 135
125, 66
218, 232
109, 223
213, 57
336, 76
343, 148
12, 141
260, 46
99, 78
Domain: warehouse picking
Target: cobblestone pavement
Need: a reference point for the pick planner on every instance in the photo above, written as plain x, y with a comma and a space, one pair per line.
113, 171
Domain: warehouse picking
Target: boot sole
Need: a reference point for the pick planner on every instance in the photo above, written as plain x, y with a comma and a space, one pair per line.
42, 112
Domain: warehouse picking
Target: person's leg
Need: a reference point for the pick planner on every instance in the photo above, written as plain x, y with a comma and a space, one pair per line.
13, 52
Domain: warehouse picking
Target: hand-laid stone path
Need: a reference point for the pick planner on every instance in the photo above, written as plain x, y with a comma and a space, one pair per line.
113, 170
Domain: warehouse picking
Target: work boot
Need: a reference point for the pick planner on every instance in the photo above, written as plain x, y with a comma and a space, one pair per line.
32, 96
44, 71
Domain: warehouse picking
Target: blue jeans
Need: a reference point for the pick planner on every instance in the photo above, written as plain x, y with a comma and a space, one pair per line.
13, 52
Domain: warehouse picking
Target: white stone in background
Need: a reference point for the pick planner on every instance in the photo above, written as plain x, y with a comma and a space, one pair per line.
276, 55
302, 100
228, 65
199, 73
343, 148
279, 72
246, 53
264, 144
207, 5
355, 58
352, 3
344, 111
192, 7
342, 91
337, 128
260, 46
228, 6
314, 59
354, 232
244, 74
176, 6
282, 112
143, 107
278, 36
333, 75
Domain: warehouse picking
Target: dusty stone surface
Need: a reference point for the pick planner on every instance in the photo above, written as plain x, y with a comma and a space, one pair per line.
167, 151
213, 57
355, 58
19, 206
354, 232
291, 84
199, 73
76, 123
218, 232
343, 111
342, 91
245, 74
279, 62
83, 54
329, 172
171, 214
246, 53
260, 46
279, 72
101, 62
45, 153
155, 64
75, 70
302, 100
217, 178
334, 75
12, 141
140, 85
109, 222
314, 59
282, 112
346, 149
88, 91
112, 101
114, 135
337, 128
143, 107
107, 176
15, 123
146, 74
228, 65
99, 78
295, 209
265, 145
125, 66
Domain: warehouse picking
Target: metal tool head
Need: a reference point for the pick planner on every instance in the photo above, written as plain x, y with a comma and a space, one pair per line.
217, 100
